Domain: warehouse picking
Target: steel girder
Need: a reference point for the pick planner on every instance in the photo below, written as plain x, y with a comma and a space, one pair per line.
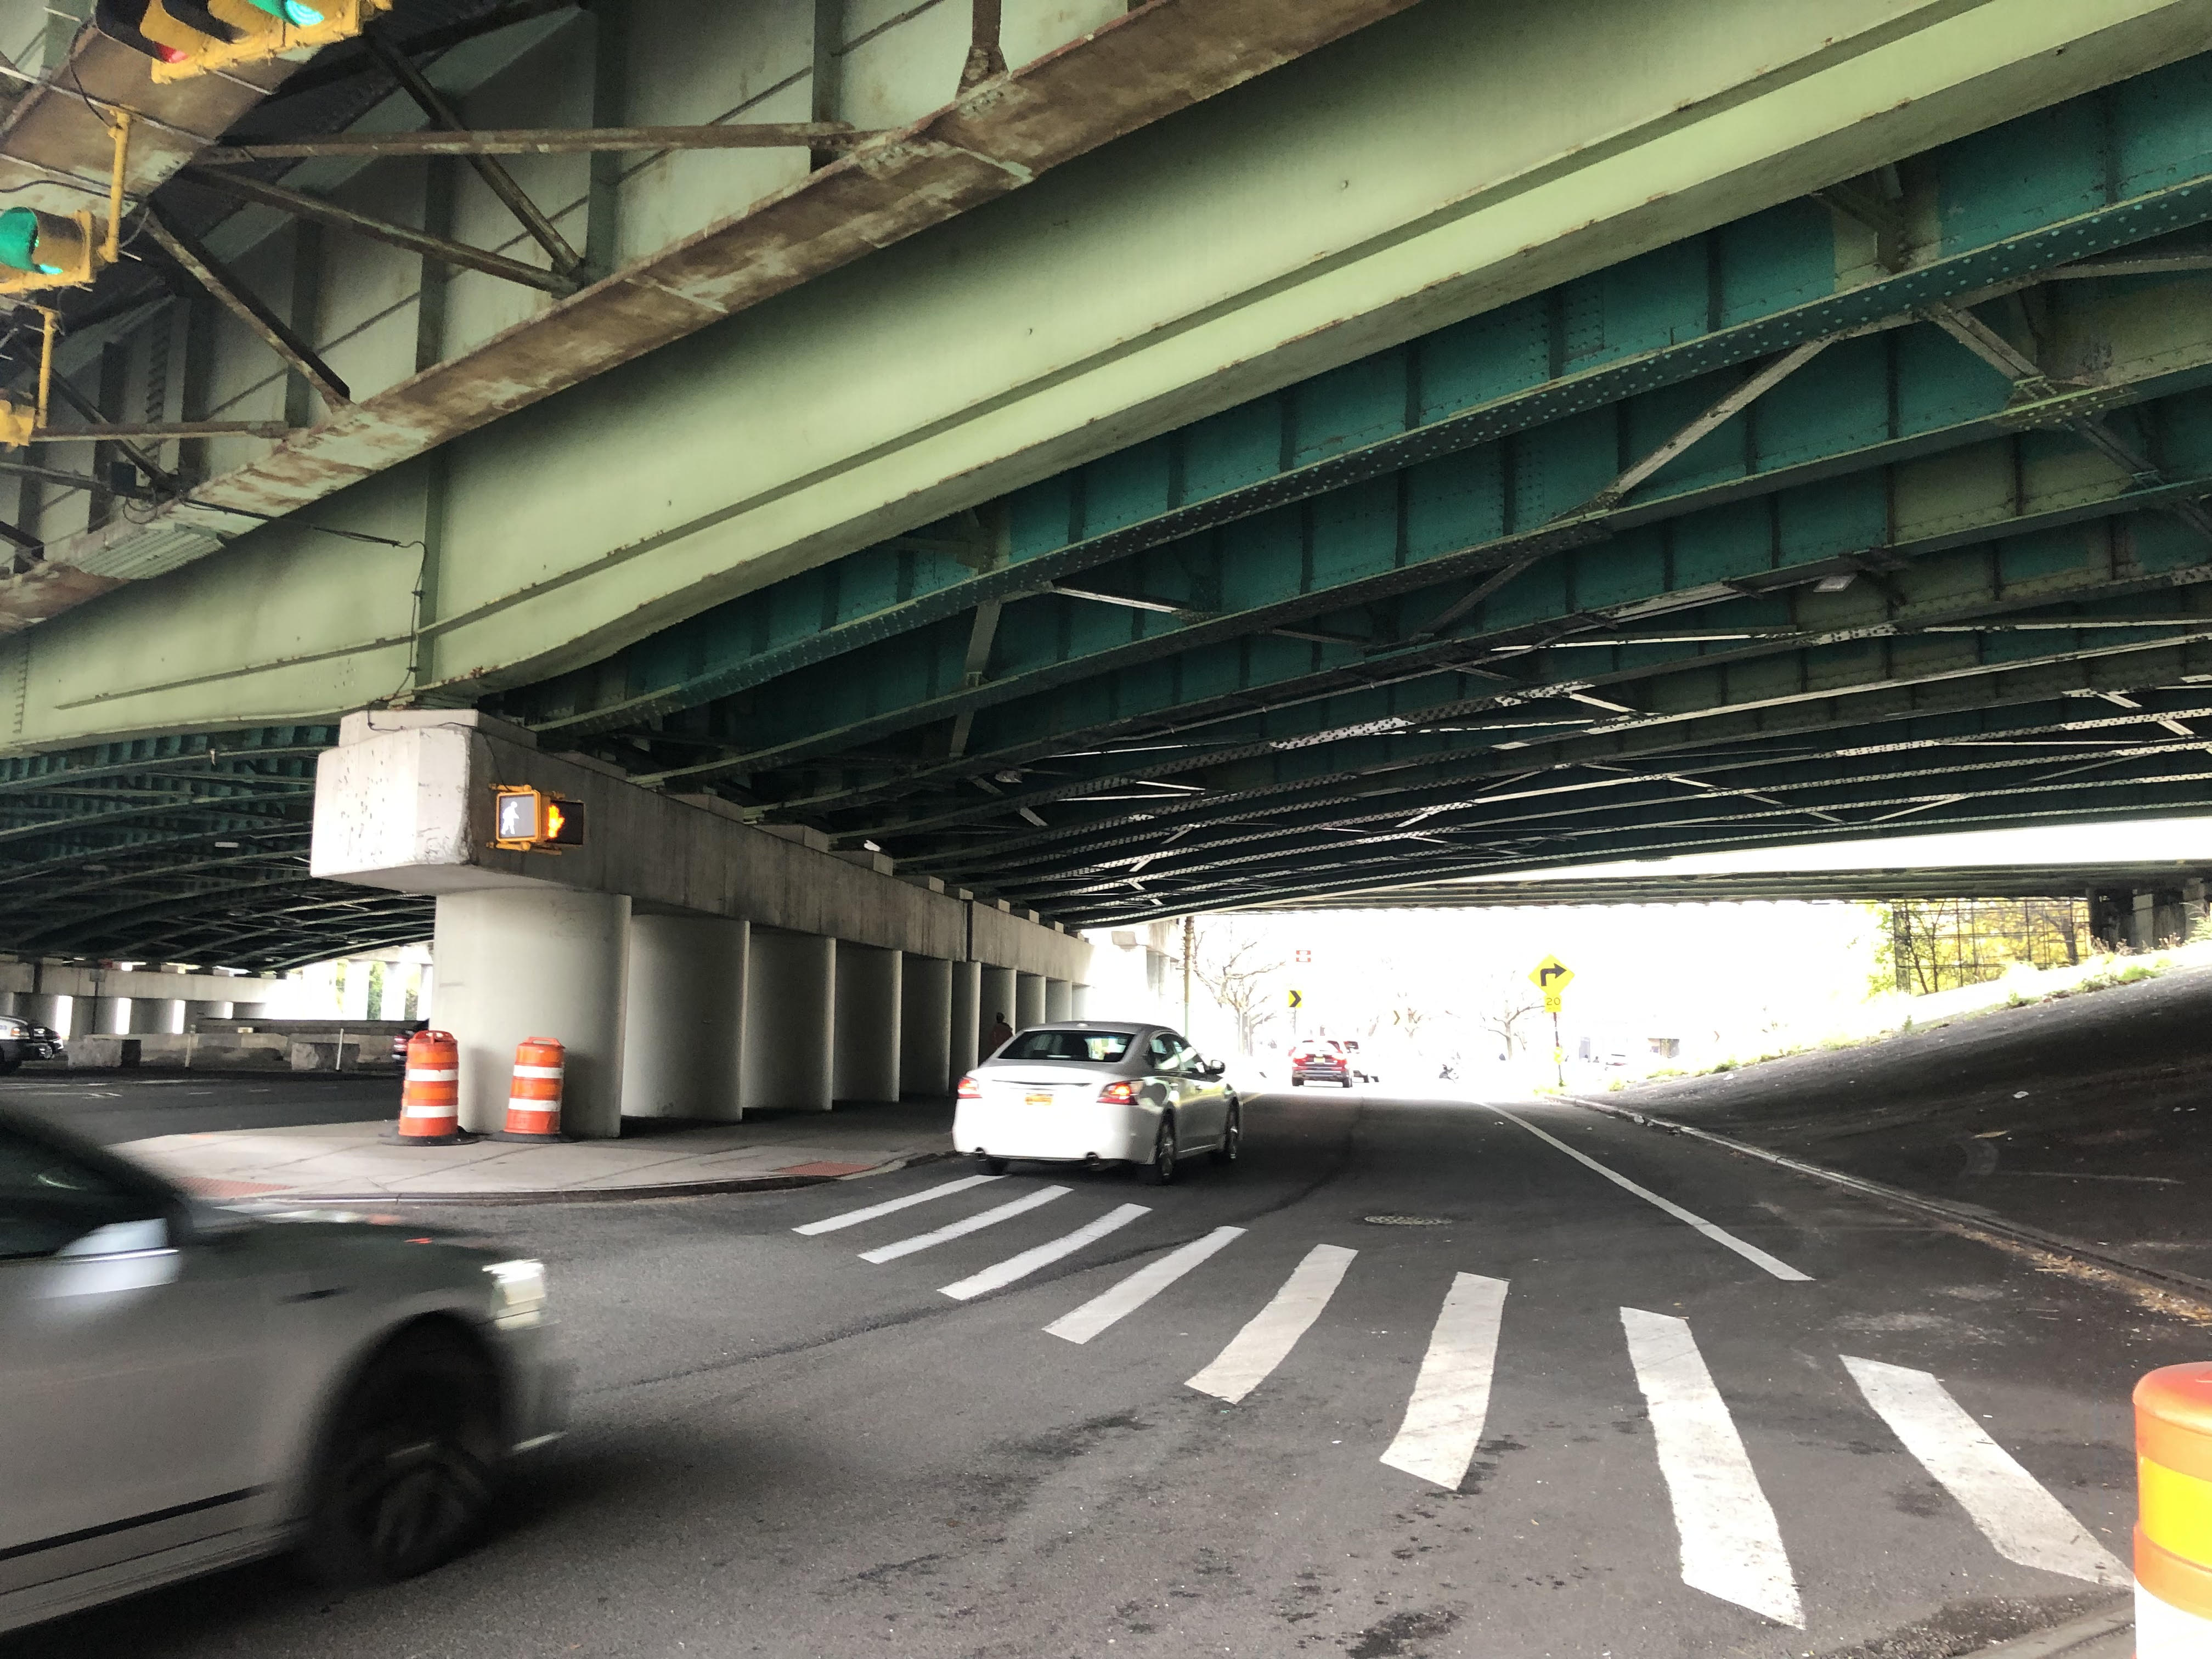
1927, 452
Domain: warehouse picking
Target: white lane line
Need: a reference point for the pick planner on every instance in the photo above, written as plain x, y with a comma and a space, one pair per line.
974, 1224
1750, 1253
1139, 1288
1020, 1267
1451, 1395
1731, 1547
854, 1218
1273, 1332
2020, 1518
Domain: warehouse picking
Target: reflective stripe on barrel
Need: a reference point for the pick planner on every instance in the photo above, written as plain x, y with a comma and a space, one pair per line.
431, 1098
2173, 1527
533, 1100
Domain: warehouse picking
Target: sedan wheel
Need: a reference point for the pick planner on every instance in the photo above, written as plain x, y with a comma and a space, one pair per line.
406, 1477
991, 1166
1232, 1138
1162, 1170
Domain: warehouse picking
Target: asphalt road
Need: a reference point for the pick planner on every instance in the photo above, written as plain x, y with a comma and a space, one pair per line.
780, 1447
112, 1107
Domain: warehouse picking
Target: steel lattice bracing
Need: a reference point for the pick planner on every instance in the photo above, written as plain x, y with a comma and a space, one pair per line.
1875, 512
181, 849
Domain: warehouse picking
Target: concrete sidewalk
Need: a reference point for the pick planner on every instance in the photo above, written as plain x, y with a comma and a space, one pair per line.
351, 1163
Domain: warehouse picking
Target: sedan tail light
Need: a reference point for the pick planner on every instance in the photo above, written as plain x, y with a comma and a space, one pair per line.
1120, 1094
970, 1090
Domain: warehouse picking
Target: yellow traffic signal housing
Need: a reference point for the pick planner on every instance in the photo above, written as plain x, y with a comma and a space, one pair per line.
200, 36
18, 425
526, 820
46, 250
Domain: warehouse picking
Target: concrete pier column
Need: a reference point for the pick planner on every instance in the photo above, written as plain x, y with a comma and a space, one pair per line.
1078, 1002
196, 1012
790, 1020
684, 1032
966, 1015
516, 963
51, 1011
1059, 1000
157, 1016
997, 1002
8, 1002
110, 1017
250, 1011
866, 1038
924, 1026
1028, 1000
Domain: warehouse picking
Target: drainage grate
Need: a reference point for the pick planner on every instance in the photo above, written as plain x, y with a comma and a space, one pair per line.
1407, 1221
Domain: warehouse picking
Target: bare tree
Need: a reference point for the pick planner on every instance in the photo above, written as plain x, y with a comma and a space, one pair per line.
1501, 1008
1237, 971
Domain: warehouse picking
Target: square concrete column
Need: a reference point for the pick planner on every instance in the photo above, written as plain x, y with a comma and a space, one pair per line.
1059, 1000
967, 1016
535, 961
196, 1012
683, 1033
790, 1020
1078, 1002
250, 1011
924, 1026
998, 1004
1028, 1000
866, 1039
110, 1017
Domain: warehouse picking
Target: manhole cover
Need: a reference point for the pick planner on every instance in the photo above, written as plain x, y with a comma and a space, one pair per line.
1407, 1221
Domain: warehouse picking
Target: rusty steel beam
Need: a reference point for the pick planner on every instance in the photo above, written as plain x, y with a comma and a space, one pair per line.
440, 248
203, 269
163, 477
545, 140
497, 179
162, 432
1136, 69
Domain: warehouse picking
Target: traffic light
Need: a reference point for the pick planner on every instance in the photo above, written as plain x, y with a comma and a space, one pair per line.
187, 37
526, 820
44, 250
18, 425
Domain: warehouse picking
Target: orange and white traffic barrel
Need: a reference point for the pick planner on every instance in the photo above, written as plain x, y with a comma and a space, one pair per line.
430, 1097
2174, 1525
533, 1101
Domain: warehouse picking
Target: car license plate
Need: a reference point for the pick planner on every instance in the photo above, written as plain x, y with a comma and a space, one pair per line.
1037, 1098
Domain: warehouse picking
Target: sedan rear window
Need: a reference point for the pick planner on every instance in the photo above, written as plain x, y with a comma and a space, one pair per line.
1084, 1048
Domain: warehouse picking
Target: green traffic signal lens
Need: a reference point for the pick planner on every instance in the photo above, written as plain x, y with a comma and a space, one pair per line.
19, 241
300, 16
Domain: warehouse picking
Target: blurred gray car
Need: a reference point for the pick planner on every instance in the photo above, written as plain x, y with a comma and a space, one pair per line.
184, 1386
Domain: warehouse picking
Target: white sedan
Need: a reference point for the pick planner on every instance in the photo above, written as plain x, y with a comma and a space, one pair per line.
1095, 1091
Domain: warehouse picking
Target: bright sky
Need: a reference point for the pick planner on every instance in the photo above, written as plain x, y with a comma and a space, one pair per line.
2125, 841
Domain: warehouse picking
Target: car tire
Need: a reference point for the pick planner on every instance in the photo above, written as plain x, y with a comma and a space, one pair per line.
1161, 1171
991, 1166
1298, 1083
1232, 1138
409, 1466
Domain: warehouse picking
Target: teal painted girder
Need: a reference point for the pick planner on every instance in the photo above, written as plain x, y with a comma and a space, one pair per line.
1846, 723
1822, 793
2088, 176
1344, 881
1998, 584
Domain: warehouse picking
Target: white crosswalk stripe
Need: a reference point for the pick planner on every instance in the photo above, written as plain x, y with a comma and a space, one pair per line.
1267, 1340
2022, 1520
1750, 1253
1730, 1545
1452, 1396
854, 1218
1139, 1288
1021, 1266
974, 1224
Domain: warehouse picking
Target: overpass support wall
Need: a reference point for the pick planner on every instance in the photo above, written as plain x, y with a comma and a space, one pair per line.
761, 971
967, 1016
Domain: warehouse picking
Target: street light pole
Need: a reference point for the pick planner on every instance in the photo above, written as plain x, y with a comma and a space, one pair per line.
1189, 933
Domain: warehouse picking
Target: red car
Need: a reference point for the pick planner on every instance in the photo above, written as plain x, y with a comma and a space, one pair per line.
1320, 1062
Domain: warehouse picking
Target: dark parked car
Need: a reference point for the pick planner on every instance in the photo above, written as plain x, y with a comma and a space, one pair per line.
22, 1040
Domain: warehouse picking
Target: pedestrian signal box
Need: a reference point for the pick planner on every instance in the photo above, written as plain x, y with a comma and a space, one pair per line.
526, 820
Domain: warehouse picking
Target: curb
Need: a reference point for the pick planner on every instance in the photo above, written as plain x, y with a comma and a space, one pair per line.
591, 1195
2161, 1279
2099, 1636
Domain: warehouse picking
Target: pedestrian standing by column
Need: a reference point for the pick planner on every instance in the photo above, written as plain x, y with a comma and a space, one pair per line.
998, 1037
